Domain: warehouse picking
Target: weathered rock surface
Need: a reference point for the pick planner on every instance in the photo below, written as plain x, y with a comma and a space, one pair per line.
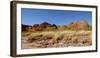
81, 25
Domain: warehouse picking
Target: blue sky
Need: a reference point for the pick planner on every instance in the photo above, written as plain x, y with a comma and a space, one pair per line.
58, 17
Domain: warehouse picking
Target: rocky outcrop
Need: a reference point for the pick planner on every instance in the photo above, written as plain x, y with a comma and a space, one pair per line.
26, 27
79, 25
43, 26
38, 27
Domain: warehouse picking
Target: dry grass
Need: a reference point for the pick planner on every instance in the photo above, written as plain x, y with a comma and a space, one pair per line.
49, 39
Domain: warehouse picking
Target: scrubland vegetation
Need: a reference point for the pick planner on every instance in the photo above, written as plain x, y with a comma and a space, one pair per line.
50, 39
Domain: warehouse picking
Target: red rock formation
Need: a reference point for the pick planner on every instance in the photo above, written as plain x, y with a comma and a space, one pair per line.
38, 27
79, 25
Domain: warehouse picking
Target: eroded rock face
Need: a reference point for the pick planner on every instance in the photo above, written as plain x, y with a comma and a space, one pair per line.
79, 25
38, 27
